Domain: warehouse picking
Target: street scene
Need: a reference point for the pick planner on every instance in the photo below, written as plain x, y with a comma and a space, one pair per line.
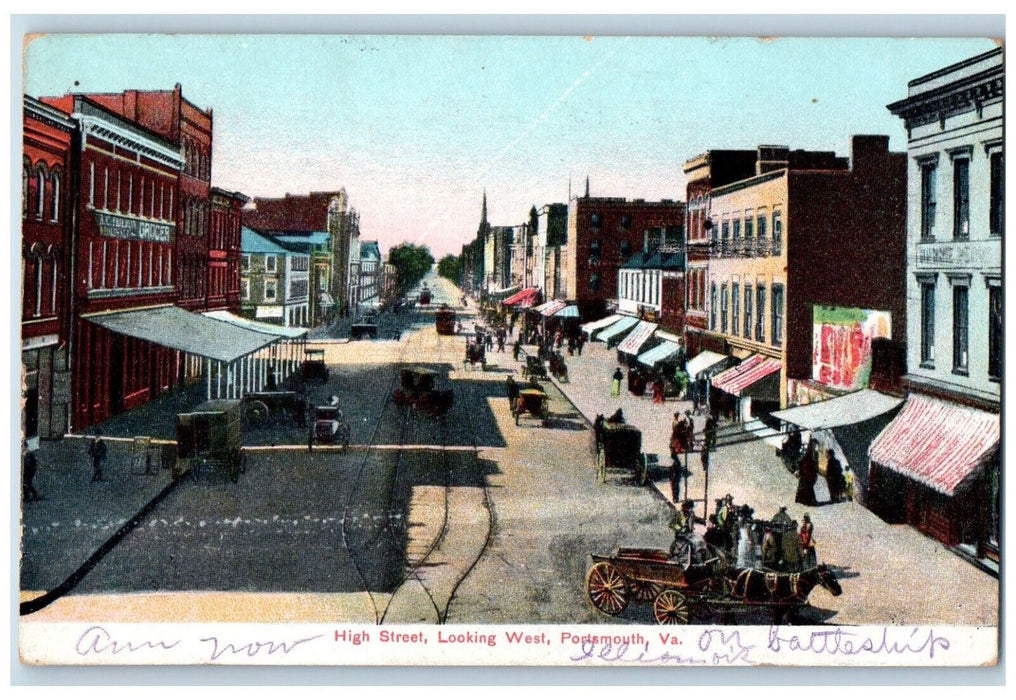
764, 390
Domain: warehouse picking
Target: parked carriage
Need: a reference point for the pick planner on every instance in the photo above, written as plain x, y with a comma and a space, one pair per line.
533, 403
476, 354
208, 438
534, 369
676, 592
313, 368
619, 448
417, 390
330, 426
258, 406
444, 321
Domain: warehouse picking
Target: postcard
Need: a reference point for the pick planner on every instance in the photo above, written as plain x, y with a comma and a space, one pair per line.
376, 350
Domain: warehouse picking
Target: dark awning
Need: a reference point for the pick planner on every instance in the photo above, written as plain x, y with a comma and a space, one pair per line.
173, 327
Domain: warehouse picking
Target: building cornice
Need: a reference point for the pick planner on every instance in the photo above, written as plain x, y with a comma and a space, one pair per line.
111, 132
968, 93
51, 116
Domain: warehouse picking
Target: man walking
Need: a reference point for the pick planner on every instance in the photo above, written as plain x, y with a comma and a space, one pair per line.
97, 451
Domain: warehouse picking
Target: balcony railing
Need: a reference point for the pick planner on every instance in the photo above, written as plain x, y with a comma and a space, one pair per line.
746, 248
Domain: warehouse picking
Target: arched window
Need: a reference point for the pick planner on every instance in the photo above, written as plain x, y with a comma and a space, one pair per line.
25, 177
55, 215
40, 193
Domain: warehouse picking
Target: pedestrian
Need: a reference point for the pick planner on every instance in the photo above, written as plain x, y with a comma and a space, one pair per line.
500, 342
807, 475
512, 389
488, 342
834, 477
516, 347
710, 433
806, 535
770, 551
30, 466
97, 451
848, 480
745, 544
579, 343
310, 438
676, 472
792, 554
571, 345
696, 408
615, 386
658, 391
704, 456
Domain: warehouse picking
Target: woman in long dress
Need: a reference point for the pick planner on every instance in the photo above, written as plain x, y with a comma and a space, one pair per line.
745, 546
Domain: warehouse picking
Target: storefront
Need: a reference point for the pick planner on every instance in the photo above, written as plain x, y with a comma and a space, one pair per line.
748, 390
936, 468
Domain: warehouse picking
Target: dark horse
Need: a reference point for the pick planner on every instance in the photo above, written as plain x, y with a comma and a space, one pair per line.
781, 591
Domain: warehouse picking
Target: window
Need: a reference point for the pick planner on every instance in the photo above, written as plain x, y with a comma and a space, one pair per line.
961, 198
626, 249
735, 308
726, 230
760, 225
928, 201
928, 324
960, 329
749, 225
245, 289
625, 222
760, 314
747, 310
91, 184
724, 302
55, 214
594, 282
271, 264
995, 332
40, 191
777, 314
270, 290
997, 209
712, 307
594, 220
777, 231
737, 228
25, 177
594, 250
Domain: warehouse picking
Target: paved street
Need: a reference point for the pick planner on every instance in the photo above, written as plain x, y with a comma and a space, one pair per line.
477, 521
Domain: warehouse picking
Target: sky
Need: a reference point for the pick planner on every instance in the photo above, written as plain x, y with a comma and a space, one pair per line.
416, 128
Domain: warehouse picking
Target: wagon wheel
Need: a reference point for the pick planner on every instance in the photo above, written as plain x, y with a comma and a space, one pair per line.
671, 608
255, 411
644, 590
607, 588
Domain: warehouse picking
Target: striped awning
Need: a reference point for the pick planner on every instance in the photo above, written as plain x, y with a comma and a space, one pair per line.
523, 299
737, 379
568, 312
661, 353
593, 326
637, 338
550, 308
622, 325
936, 443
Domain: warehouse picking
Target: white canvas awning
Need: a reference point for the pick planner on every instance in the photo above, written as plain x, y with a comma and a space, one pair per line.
705, 360
852, 408
594, 326
258, 326
622, 325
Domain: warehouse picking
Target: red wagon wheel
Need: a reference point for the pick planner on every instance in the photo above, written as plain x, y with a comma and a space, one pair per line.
671, 608
607, 588
644, 590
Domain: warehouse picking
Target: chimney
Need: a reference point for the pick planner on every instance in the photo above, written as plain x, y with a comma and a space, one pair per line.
771, 158
868, 152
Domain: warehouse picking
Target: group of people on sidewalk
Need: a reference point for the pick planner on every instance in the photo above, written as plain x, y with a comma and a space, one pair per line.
804, 462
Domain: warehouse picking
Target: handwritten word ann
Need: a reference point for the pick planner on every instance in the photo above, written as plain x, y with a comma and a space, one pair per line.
252, 649
97, 640
839, 642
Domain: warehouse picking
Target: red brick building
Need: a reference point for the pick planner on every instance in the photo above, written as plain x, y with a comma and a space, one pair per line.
46, 201
170, 115
128, 181
603, 234
224, 250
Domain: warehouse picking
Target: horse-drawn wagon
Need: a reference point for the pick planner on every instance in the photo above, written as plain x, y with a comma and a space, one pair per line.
677, 592
330, 426
313, 368
417, 390
531, 402
258, 406
619, 448
209, 437
534, 368
476, 354
444, 321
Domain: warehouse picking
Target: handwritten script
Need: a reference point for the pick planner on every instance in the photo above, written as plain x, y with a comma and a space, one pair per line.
839, 642
97, 641
715, 647
252, 649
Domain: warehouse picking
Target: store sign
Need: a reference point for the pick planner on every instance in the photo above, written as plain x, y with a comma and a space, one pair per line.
841, 344
959, 254
268, 312
130, 228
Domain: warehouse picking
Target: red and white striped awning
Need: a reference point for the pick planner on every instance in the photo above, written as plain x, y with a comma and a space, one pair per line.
937, 443
637, 338
523, 299
752, 370
550, 308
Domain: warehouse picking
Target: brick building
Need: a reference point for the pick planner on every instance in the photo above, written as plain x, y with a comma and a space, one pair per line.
604, 233
47, 197
224, 250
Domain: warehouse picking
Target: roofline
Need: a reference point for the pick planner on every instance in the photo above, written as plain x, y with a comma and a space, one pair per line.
954, 67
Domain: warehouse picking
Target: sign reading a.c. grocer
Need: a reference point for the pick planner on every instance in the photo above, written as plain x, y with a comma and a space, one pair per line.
116, 226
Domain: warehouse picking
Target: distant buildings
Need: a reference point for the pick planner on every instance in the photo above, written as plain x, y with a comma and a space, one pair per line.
371, 269
274, 281
318, 245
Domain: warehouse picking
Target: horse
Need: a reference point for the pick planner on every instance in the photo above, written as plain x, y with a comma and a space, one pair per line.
781, 590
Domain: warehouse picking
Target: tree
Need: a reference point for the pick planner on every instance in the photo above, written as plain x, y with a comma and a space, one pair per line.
449, 267
412, 262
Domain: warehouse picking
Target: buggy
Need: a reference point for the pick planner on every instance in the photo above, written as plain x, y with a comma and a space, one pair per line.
533, 403
209, 437
534, 368
619, 448
313, 368
417, 391
330, 426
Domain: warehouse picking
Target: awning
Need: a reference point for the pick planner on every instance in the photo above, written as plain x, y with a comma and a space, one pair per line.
550, 308
617, 328
661, 353
257, 326
936, 443
568, 312
740, 378
524, 295
637, 338
858, 407
593, 326
705, 361
173, 327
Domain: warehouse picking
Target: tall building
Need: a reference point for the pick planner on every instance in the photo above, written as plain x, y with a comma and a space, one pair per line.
47, 207
224, 250
937, 465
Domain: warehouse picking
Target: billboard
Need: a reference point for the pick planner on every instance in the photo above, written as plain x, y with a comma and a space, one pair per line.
841, 344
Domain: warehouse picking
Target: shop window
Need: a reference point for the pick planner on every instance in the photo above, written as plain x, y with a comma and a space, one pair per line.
928, 324
777, 314
961, 296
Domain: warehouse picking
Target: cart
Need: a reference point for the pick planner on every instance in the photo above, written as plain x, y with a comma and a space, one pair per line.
444, 321
476, 354
259, 405
209, 438
534, 368
330, 426
677, 592
417, 390
313, 368
558, 367
620, 449
532, 403
424, 297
